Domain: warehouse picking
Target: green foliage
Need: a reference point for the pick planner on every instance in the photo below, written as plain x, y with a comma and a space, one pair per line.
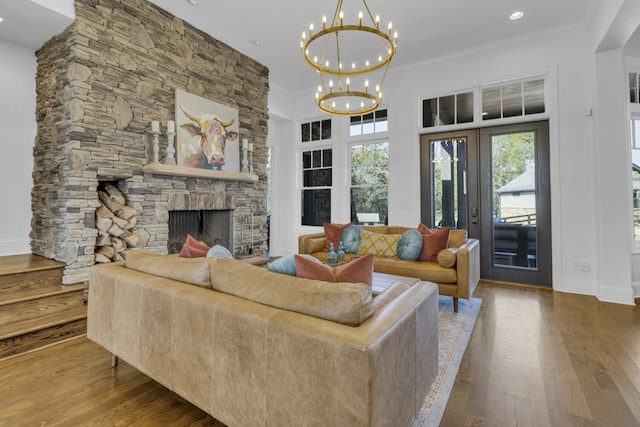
370, 178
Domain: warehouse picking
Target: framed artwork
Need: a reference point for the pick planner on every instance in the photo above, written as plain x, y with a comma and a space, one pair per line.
206, 133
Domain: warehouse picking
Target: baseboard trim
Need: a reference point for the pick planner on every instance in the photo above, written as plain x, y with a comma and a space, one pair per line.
636, 289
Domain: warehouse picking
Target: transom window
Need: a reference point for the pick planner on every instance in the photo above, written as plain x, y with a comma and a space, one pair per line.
447, 110
318, 130
374, 122
513, 99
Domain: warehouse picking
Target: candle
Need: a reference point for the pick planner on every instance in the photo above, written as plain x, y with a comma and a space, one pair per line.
171, 126
155, 126
250, 146
245, 144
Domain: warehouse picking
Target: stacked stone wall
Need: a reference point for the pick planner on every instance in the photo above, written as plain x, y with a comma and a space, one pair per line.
99, 85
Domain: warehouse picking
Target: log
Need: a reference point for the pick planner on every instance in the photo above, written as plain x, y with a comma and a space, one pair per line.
107, 251
117, 257
115, 230
131, 223
118, 245
112, 205
104, 223
122, 223
132, 240
104, 212
126, 212
115, 194
103, 240
102, 259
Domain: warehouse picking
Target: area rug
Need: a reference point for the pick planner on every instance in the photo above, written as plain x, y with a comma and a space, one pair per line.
454, 331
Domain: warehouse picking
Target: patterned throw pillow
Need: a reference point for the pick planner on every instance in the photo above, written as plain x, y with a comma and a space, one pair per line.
378, 244
351, 239
357, 271
410, 245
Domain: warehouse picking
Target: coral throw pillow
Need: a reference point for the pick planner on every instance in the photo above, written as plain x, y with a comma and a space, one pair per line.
333, 232
356, 271
193, 248
433, 242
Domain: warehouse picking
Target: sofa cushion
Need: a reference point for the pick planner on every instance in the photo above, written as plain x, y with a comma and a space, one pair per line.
388, 295
333, 233
433, 242
378, 244
457, 238
351, 239
356, 271
287, 264
447, 257
410, 245
423, 270
347, 303
188, 270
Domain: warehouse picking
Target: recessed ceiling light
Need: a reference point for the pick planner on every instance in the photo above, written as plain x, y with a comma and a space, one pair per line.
257, 42
1, 19
516, 15
193, 2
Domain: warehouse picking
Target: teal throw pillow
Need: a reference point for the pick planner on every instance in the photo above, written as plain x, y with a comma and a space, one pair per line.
287, 264
219, 251
410, 245
351, 239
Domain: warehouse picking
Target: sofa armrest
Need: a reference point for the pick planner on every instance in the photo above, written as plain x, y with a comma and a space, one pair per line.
310, 243
468, 267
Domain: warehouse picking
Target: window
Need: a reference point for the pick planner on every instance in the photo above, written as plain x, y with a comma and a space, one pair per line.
316, 186
375, 122
369, 182
635, 174
633, 88
513, 99
315, 131
447, 110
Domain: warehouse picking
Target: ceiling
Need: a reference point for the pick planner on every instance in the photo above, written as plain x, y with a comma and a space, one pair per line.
270, 31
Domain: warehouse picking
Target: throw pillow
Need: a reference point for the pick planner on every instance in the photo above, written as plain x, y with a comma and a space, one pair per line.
191, 241
410, 245
356, 271
287, 264
433, 242
351, 239
333, 233
219, 251
188, 251
378, 244
447, 257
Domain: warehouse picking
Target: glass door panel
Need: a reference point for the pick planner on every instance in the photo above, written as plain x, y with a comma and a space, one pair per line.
448, 182
513, 166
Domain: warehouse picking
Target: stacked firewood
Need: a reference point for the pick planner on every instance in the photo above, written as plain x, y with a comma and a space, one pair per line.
114, 221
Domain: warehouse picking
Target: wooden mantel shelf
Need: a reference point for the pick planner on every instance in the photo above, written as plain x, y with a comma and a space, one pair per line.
173, 170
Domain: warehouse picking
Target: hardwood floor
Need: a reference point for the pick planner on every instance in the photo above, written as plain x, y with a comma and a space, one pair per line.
544, 358
536, 358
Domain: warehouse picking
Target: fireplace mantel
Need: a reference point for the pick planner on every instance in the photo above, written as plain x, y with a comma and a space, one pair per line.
173, 170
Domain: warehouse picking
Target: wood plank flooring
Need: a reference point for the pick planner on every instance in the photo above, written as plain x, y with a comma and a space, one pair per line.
536, 358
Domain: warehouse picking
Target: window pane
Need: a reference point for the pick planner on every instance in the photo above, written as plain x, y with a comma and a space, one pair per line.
635, 174
491, 103
429, 108
356, 126
367, 124
534, 97
633, 87
369, 205
316, 206
464, 111
307, 178
512, 100
446, 113
317, 159
327, 158
448, 186
321, 178
306, 159
305, 132
315, 131
326, 129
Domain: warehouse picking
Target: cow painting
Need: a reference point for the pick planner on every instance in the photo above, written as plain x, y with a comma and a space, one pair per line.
209, 136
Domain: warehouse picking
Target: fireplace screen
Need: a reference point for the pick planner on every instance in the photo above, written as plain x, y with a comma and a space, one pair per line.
213, 227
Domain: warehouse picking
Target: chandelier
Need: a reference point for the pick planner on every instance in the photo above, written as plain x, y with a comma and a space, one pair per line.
352, 60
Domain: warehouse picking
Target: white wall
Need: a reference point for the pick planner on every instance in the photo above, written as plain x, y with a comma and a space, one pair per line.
18, 127
568, 57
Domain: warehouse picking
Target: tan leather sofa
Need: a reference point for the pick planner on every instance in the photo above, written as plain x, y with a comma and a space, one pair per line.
234, 340
457, 281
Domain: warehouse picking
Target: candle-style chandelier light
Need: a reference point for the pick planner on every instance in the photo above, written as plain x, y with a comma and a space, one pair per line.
351, 75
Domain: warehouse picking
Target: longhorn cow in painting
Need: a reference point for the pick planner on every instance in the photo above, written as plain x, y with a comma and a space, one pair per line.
209, 136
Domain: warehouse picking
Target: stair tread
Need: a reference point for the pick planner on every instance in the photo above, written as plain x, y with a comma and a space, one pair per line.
12, 264
42, 292
43, 322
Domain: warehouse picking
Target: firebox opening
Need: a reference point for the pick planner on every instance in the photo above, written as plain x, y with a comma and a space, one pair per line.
213, 227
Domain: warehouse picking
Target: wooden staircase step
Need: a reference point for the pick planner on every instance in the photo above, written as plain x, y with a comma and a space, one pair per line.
21, 272
42, 337
66, 302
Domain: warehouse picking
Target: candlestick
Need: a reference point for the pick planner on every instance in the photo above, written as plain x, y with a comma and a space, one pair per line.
245, 163
245, 143
171, 127
170, 159
156, 143
251, 147
155, 126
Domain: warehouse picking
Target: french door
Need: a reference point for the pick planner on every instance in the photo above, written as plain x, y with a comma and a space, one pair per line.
493, 182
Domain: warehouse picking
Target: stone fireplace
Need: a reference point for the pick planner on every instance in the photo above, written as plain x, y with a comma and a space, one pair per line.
99, 85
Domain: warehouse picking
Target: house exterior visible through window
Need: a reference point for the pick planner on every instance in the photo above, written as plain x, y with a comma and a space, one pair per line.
369, 181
